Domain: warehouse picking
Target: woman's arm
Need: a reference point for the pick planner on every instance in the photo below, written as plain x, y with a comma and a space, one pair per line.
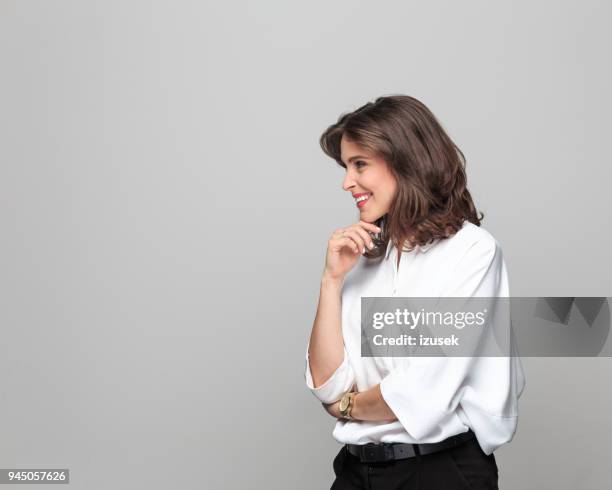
326, 348
328, 371
367, 405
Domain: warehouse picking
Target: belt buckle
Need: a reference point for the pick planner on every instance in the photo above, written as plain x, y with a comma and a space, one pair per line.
372, 453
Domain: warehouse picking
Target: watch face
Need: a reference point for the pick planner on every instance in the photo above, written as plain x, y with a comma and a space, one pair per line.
344, 403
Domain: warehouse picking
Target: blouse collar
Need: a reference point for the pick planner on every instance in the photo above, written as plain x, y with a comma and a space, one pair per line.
418, 248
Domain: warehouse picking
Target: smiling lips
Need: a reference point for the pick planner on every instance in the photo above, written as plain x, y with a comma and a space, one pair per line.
361, 199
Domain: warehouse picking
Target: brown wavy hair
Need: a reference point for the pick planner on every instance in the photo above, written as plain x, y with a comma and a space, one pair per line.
432, 199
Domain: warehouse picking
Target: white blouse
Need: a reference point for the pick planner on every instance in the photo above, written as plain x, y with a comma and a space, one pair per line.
433, 398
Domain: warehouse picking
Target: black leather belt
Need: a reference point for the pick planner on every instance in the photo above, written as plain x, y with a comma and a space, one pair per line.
386, 451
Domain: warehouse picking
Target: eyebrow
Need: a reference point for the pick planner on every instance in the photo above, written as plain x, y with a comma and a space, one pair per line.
356, 157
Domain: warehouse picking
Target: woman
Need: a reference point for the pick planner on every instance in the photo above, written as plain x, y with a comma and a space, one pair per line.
421, 422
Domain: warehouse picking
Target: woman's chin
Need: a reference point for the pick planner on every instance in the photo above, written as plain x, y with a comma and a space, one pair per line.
369, 216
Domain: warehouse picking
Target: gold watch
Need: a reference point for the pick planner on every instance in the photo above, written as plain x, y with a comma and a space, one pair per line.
346, 404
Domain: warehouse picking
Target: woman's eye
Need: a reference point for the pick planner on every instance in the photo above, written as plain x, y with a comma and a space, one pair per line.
359, 164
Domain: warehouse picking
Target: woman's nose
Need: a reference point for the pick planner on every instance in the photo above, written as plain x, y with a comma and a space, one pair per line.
348, 182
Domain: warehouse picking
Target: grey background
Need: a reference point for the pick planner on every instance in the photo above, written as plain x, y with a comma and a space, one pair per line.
166, 207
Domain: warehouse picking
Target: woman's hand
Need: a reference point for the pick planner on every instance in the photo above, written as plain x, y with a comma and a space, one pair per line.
345, 246
333, 409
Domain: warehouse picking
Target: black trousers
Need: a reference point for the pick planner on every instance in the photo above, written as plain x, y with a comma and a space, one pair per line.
464, 467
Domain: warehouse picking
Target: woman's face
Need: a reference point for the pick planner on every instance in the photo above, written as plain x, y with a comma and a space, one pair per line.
367, 175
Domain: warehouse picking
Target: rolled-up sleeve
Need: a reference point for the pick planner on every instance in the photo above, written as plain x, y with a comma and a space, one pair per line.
337, 384
426, 392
